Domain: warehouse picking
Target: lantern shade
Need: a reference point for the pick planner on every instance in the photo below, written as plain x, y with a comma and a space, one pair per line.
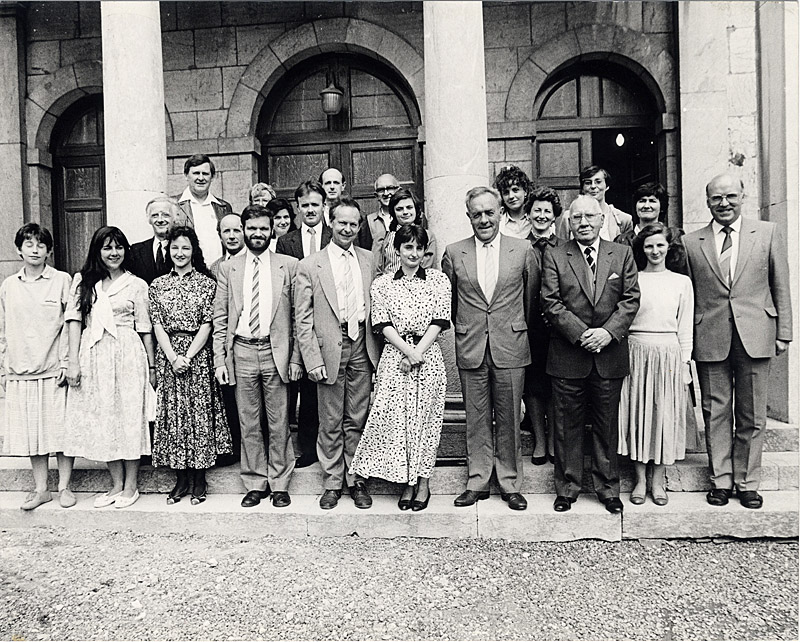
331, 99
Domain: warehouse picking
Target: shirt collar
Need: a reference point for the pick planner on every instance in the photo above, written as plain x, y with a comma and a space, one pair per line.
263, 257
420, 274
47, 273
595, 245
494, 243
306, 228
188, 196
736, 226
191, 272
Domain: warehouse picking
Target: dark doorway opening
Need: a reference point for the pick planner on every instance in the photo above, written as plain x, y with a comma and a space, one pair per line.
629, 155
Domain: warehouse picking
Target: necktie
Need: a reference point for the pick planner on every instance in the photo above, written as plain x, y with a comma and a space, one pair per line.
312, 240
590, 261
725, 255
350, 300
160, 258
489, 272
255, 326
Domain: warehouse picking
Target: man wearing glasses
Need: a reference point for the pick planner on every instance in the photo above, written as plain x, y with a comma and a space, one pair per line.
590, 295
385, 187
742, 318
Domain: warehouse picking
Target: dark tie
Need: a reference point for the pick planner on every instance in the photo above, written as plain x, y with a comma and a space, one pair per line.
725, 255
160, 258
590, 261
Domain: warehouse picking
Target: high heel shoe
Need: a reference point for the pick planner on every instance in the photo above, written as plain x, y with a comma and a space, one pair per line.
199, 488
181, 488
418, 505
404, 503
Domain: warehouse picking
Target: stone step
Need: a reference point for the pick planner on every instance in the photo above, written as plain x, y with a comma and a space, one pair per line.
686, 516
779, 472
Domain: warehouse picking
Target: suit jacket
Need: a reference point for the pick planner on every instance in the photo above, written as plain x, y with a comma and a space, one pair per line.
221, 210
619, 223
316, 309
377, 228
291, 243
571, 308
503, 321
757, 303
144, 263
228, 304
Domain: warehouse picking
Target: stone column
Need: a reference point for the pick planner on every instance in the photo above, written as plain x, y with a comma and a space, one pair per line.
133, 100
13, 179
457, 148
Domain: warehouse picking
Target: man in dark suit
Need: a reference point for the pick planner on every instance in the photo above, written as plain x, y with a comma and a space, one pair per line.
151, 257
493, 280
201, 209
742, 318
311, 237
590, 296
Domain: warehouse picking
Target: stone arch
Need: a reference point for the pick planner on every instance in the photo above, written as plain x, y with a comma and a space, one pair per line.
625, 47
311, 39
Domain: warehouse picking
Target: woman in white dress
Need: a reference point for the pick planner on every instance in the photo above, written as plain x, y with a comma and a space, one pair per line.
111, 369
652, 411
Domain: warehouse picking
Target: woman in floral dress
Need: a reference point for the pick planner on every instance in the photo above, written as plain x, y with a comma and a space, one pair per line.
191, 429
410, 307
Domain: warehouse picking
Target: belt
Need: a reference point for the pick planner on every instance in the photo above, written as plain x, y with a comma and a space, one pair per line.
413, 339
344, 326
252, 341
179, 333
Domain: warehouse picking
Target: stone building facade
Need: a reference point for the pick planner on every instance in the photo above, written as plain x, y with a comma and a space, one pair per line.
103, 102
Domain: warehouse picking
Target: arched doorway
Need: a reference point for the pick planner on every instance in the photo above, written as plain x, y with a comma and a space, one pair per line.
596, 112
78, 181
374, 133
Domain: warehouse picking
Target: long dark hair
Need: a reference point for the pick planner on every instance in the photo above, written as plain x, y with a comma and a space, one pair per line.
198, 262
401, 195
94, 270
675, 261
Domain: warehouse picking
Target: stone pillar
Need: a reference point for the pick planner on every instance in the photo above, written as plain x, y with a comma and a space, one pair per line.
13, 150
457, 148
133, 100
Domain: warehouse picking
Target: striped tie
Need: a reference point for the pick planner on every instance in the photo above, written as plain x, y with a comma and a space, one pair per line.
489, 272
725, 255
255, 326
351, 301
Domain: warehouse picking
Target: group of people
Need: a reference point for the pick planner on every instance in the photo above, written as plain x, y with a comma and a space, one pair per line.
589, 315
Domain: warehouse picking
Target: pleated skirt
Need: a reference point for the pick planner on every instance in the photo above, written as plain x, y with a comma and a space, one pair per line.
33, 420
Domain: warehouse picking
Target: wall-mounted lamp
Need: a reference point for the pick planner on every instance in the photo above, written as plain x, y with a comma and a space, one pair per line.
332, 96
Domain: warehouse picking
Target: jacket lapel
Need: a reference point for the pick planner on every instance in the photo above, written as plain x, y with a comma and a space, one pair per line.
579, 267
747, 239
235, 285
604, 254
470, 258
365, 264
709, 249
326, 280
278, 273
503, 266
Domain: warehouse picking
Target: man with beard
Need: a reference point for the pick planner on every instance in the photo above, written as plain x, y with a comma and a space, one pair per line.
254, 349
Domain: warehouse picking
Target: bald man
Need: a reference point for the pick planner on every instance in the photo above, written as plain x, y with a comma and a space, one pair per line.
231, 235
385, 187
742, 318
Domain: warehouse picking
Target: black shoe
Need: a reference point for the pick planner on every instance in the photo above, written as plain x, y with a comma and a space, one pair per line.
718, 496
563, 503
304, 461
420, 504
551, 458
254, 497
470, 497
515, 501
329, 499
199, 487
539, 461
612, 504
404, 503
181, 488
750, 499
281, 499
226, 460
361, 498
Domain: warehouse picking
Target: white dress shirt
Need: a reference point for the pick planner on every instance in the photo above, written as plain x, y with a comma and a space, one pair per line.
164, 245
719, 239
480, 255
306, 236
338, 267
264, 295
205, 224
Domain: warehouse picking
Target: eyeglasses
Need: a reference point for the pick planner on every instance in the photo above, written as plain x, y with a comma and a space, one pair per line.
389, 189
590, 218
733, 199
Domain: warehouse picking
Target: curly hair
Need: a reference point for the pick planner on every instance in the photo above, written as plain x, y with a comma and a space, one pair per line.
510, 175
547, 195
198, 261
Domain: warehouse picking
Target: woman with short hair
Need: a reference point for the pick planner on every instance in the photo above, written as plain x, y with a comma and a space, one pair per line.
405, 209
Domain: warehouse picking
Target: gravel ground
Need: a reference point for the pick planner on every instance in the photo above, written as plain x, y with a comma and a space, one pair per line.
106, 586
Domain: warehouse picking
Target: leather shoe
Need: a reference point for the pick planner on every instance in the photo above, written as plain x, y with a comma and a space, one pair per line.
750, 499
304, 461
361, 498
612, 504
718, 496
563, 503
281, 499
469, 497
539, 461
515, 501
254, 497
329, 499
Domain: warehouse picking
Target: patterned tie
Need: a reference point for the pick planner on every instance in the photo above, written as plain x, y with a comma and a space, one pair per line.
350, 299
489, 272
590, 261
160, 258
255, 326
312, 240
725, 255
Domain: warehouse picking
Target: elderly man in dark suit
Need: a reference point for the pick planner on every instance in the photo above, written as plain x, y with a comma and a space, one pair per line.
151, 257
742, 318
590, 295
494, 278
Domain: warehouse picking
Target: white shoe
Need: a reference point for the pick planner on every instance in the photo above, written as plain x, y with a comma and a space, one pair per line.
124, 502
101, 501
66, 498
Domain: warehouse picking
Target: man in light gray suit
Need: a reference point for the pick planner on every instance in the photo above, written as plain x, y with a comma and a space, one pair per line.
494, 278
339, 350
255, 350
742, 318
